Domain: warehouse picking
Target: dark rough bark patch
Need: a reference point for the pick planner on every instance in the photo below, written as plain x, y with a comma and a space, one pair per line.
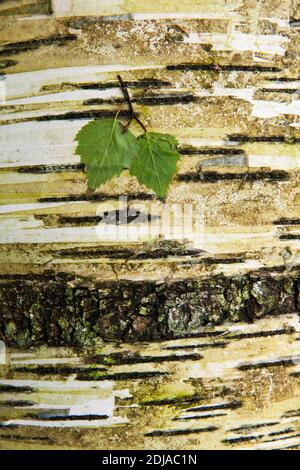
60, 310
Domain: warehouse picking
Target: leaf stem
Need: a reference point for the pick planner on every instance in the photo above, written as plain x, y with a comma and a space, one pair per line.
133, 115
140, 123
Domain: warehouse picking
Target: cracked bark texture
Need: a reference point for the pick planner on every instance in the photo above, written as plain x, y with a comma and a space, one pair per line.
60, 311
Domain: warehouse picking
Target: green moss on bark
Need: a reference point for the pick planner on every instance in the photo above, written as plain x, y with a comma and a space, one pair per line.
57, 310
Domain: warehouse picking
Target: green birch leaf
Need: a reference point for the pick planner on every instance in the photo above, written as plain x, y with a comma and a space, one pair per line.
156, 162
105, 149
168, 138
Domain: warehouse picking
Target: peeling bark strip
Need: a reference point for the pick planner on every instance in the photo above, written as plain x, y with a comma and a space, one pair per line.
61, 310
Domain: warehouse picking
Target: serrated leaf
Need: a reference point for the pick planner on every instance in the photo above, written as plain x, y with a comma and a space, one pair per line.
156, 162
105, 149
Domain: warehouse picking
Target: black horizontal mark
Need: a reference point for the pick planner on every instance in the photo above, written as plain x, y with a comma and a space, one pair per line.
47, 417
264, 138
7, 63
143, 83
208, 261
233, 405
284, 438
72, 115
263, 334
289, 91
248, 427
197, 346
15, 389
147, 100
212, 176
17, 403
296, 374
135, 255
291, 413
204, 416
283, 79
286, 221
261, 365
33, 44
171, 401
216, 260
96, 197
121, 375
211, 151
45, 277
179, 432
90, 114
270, 269
279, 433
236, 440
290, 236
41, 169
57, 369
295, 446
208, 334
225, 68
127, 253
121, 359
295, 23
90, 254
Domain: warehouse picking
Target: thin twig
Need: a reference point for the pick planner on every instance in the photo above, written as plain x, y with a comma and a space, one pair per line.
127, 98
140, 122
133, 116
